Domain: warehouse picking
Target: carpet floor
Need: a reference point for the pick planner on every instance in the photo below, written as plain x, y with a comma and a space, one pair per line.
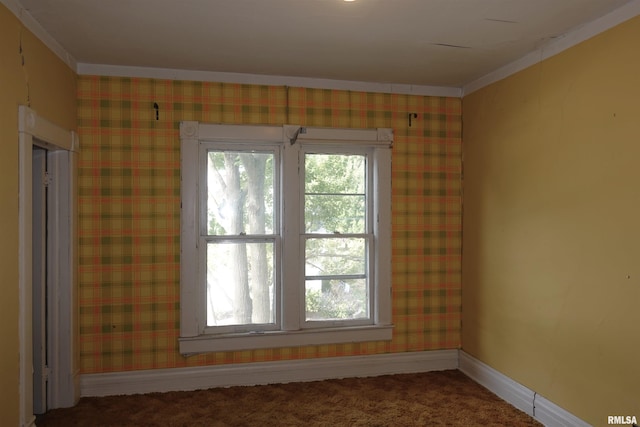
443, 398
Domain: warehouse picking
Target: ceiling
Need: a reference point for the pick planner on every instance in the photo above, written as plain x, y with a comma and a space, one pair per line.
446, 43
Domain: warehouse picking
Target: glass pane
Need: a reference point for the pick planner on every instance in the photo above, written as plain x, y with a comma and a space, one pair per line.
240, 283
335, 213
240, 193
335, 257
336, 299
335, 193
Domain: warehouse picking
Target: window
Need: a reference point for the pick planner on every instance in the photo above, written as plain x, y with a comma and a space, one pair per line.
285, 236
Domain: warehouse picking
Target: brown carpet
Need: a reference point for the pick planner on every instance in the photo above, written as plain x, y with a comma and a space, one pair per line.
445, 398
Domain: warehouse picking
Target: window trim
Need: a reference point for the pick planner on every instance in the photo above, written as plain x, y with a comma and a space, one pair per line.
192, 323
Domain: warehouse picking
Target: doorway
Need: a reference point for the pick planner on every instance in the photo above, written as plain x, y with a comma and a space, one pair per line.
48, 307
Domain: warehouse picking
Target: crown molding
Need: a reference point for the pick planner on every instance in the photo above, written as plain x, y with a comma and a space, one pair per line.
32, 25
259, 79
557, 45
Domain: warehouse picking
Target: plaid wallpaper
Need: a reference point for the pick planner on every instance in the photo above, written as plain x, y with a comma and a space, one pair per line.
129, 212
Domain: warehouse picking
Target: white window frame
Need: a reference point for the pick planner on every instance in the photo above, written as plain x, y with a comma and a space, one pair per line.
246, 145
195, 337
333, 148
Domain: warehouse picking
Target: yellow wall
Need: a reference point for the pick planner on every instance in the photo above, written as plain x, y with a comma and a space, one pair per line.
129, 212
551, 264
49, 86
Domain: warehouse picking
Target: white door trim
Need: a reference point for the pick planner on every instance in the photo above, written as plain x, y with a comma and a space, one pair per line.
63, 147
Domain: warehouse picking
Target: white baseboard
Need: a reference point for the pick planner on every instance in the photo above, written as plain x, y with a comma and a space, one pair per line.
550, 414
162, 380
245, 374
507, 389
528, 401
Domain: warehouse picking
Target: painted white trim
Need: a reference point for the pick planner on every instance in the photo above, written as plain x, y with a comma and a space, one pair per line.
63, 386
284, 338
34, 26
203, 377
34, 130
516, 394
259, 79
554, 47
550, 414
51, 134
289, 327
507, 389
182, 379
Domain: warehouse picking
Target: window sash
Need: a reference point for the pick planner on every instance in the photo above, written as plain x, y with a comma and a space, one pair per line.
204, 147
242, 172
276, 291
287, 141
333, 149
368, 275
248, 146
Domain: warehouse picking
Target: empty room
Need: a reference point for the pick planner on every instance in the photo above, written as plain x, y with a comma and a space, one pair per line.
423, 203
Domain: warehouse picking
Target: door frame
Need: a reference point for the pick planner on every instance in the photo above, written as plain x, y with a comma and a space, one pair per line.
40, 249
63, 147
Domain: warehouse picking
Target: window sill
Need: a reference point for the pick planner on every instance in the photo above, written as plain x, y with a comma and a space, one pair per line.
279, 339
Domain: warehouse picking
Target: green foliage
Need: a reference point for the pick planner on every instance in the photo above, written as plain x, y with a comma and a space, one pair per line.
335, 186
337, 301
335, 203
335, 256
